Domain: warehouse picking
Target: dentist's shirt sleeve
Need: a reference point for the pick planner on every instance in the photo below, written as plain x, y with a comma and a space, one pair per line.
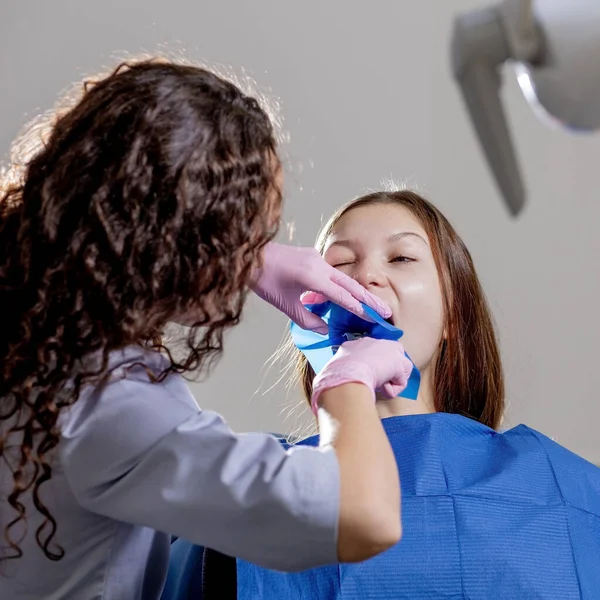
145, 454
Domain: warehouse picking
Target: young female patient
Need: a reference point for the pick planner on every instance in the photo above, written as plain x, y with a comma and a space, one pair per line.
485, 514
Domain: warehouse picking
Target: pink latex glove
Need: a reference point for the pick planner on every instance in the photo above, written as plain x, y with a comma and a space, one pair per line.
381, 365
288, 272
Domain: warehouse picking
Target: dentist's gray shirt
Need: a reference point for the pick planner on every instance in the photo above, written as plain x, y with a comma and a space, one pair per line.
138, 462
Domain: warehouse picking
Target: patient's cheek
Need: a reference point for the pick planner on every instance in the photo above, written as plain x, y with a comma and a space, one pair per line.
421, 316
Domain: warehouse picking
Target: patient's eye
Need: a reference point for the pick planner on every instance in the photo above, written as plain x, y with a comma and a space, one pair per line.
343, 264
401, 259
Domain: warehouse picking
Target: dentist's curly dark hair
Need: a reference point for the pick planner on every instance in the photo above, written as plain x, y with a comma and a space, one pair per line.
151, 200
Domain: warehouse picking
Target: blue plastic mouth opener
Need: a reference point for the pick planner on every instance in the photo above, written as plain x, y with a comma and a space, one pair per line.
345, 326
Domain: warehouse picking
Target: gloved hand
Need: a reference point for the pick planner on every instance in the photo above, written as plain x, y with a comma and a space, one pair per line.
287, 272
381, 365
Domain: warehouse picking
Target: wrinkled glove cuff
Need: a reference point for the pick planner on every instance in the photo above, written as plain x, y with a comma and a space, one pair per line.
337, 374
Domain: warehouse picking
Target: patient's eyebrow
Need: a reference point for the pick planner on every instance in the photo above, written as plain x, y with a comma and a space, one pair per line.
398, 236
395, 237
345, 243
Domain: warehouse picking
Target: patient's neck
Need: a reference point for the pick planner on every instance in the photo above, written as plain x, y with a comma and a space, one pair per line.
397, 407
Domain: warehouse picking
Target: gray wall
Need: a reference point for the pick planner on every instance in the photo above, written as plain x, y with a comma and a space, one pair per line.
366, 93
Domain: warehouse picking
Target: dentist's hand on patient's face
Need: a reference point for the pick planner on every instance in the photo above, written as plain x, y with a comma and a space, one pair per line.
288, 273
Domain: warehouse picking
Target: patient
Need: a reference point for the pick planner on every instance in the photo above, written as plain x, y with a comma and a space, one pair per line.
485, 514
404, 250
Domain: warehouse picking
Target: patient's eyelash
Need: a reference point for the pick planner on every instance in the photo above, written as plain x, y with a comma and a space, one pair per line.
397, 259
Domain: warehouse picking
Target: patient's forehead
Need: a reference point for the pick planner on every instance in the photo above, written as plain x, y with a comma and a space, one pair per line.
375, 220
